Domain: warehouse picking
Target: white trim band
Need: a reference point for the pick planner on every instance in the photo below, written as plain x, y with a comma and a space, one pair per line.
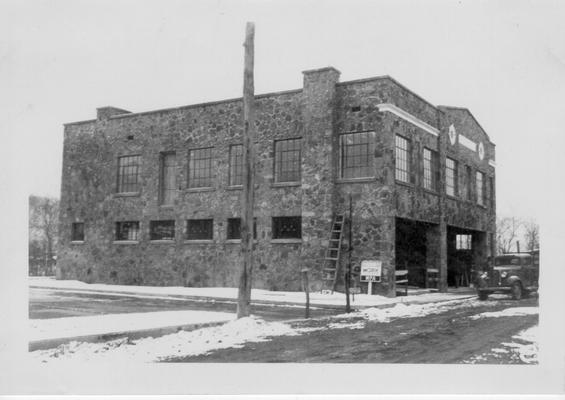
491, 163
408, 117
468, 143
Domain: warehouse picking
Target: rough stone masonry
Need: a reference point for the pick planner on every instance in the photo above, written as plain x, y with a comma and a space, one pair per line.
152, 198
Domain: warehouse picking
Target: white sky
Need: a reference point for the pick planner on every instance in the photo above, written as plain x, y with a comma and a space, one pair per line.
505, 61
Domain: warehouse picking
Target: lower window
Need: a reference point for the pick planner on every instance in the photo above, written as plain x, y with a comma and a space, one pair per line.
234, 228
162, 230
199, 229
77, 232
127, 230
287, 227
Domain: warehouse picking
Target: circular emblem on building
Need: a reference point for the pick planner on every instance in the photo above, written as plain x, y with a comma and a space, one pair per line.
452, 134
481, 151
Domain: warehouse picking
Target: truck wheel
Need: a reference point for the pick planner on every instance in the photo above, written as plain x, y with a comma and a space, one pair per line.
483, 295
516, 291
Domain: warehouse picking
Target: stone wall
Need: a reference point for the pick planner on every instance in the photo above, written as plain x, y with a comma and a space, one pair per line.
317, 114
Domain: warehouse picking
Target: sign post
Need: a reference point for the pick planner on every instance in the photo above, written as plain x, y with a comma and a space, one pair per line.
371, 272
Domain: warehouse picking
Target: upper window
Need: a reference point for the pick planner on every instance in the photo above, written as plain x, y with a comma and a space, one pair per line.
402, 159
168, 182
451, 177
431, 169
200, 168
287, 160
356, 155
480, 188
77, 232
234, 228
491, 191
128, 174
287, 227
463, 242
236, 165
127, 230
162, 230
469, 173
199, 229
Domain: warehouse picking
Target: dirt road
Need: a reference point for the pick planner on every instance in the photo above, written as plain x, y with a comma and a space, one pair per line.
450, 337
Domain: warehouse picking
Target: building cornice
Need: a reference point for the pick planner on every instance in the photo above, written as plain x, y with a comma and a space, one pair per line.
399, 112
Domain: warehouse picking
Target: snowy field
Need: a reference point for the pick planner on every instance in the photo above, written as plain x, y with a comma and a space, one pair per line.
237, 333
316, 298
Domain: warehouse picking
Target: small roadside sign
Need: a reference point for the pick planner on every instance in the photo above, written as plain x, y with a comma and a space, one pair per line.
371, 270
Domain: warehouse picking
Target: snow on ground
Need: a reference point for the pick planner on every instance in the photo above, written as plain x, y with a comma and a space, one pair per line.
185, 343
508, 312
522, 349
316, 298
232, 334
54, 328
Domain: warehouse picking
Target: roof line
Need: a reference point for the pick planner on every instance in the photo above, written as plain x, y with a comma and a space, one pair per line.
204, 104
472, 116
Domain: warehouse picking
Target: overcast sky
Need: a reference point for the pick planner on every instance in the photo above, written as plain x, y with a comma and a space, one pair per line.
505, 61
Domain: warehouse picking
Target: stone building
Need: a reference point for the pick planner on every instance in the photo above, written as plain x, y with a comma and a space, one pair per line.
153, 198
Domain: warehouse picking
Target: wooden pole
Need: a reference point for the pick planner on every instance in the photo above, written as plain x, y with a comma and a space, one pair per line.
306, 290
244, 295
350, 250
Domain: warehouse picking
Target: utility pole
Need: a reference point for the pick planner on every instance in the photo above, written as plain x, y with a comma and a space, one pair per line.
350, 251
244, 294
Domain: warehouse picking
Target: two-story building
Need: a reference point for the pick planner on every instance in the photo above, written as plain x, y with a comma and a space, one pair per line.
153, 198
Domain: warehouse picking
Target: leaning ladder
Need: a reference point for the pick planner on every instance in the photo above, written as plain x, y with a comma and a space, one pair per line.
331, 259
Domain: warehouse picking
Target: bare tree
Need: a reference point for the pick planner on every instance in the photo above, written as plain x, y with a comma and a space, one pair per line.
531, 235
43, 220
507, 229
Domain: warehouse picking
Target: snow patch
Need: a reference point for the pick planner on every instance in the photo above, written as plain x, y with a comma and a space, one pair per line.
182, 344
342, 325
523, 349
507, 312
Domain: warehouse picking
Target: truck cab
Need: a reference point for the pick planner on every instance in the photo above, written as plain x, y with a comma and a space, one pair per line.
514, 273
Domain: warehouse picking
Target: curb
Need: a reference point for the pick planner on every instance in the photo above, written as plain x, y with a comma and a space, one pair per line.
132, 335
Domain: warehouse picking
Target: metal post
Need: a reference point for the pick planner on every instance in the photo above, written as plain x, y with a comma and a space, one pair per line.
306, 287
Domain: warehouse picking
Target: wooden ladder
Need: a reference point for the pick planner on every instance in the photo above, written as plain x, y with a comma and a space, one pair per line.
331, 259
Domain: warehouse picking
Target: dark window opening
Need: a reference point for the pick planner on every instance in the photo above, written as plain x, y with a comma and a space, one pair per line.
200, 168
287, 227
199, 229
236, 165
128, 174
491, 191
356, 155
234, 228
127, 230
162, 230
130, 137
287, 160
77, 232
469, 173
356, 108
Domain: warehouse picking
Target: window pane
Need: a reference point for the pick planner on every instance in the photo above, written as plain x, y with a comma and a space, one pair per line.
162, 230
127, 230
356, 155
402, 159
287, 227
451, 177
199, 229
480, 188
168, 182
236, 165
287, 160
128, 174
200, 168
